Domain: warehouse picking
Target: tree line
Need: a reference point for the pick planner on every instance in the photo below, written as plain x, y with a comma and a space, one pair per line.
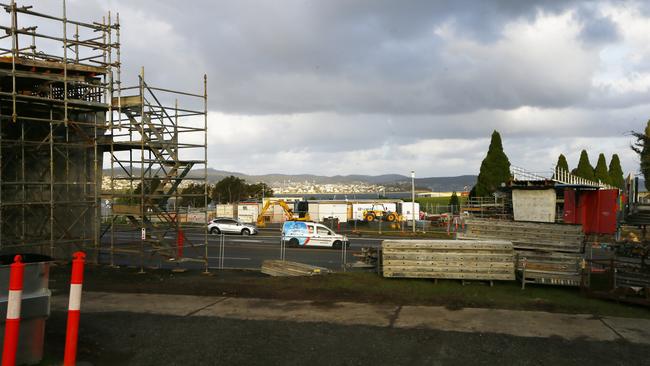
611, 174
228, 190
495, 167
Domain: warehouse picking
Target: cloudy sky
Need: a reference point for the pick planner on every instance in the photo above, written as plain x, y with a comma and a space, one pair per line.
381, 86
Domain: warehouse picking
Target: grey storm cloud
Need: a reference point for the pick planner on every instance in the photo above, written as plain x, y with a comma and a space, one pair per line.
331, 79
595, 27
349, 56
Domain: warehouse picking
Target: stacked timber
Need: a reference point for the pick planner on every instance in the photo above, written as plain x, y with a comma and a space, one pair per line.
280, 268
546, 253
631, 272
449, 259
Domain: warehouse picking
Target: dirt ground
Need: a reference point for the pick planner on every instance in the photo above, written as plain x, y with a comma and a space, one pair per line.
137, 339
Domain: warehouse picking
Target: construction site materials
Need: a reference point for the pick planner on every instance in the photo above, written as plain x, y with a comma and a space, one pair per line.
280, 268
623, 279
448, 259
367, 258
546, 253
25, 303
631, 272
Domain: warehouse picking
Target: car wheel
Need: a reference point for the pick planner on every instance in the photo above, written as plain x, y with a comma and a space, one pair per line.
293, 242
337, 245
245, 232
370, 217
215, 231
390, 218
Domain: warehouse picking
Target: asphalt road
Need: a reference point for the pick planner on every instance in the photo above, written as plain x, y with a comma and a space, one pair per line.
142, 339
246, 252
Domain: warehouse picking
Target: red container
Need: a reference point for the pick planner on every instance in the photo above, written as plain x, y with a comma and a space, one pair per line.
595, 210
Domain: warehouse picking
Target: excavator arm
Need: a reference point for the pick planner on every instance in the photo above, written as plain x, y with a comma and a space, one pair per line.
288, 212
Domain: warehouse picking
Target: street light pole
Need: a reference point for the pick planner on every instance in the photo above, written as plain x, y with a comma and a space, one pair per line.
413, 198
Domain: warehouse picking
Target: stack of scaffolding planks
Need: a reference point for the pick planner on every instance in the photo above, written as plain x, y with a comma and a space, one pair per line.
449, 259
546, 253
280, 268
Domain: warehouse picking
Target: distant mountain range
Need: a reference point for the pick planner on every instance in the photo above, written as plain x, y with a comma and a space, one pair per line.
438, 184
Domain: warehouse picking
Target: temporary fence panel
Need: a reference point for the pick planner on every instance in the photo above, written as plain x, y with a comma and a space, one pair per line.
448, 259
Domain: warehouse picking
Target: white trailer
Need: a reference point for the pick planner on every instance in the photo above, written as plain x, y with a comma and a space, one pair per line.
407, 209
326, 210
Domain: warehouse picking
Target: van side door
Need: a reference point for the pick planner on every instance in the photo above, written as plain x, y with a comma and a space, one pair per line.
325, 236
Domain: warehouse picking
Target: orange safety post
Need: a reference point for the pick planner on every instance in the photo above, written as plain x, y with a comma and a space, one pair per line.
12, 326
180, 241
74, 307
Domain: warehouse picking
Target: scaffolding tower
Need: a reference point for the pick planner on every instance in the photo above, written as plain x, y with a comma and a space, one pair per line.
61, 113
158, 144
55, 91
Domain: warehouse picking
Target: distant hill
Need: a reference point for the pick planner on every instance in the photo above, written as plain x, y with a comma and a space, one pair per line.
446, 184
439, 184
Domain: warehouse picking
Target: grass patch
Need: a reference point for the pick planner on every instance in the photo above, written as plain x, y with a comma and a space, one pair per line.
452, 294
352, 286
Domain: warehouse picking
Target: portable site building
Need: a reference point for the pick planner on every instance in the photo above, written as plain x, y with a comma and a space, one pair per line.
248, 211
407, 209
224, 210
320, 210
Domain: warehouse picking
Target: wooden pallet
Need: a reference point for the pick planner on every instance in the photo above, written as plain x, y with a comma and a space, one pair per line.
448, 259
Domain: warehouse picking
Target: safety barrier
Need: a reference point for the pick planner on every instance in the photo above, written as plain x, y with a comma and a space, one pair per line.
74, 307
12, 325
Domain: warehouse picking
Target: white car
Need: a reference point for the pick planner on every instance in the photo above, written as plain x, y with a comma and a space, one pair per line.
227, 225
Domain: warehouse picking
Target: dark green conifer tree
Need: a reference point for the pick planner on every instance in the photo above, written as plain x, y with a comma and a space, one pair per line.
495, 169
584, 169
454, 203
562, 163
616, 172
600, 172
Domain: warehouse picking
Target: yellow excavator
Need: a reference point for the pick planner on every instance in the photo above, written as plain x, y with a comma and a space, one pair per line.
302, 215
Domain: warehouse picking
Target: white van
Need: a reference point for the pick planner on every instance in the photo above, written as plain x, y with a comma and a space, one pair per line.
311, 234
